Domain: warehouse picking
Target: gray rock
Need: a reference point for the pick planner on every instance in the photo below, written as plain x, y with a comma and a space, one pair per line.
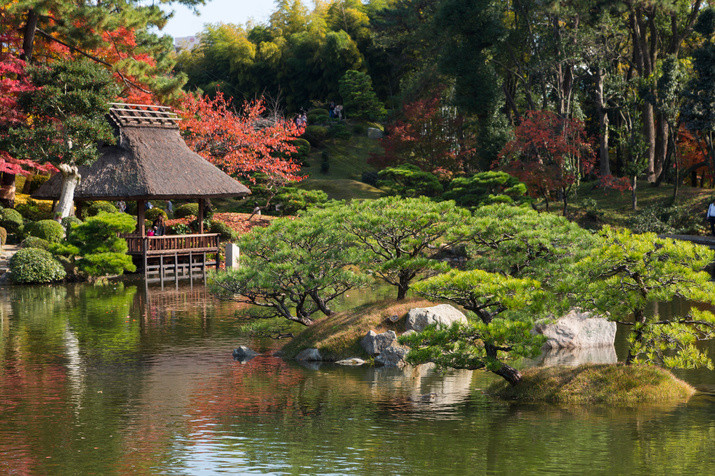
243, 354
443, 315
409, 333
309, 355
374, 133
351, 362
393, 356
374, 343
577, 330
576, 357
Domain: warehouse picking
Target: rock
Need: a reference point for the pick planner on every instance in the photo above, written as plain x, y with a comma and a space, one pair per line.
442, 315
243, 354
393, 356
576, 357
374, 343
374, 133
577, 330
409, 333
309, 355
351, 362
426, 398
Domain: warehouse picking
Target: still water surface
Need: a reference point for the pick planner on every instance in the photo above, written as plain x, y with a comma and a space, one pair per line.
116, 379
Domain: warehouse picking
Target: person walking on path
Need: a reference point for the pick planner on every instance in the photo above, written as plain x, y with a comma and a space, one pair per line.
711, 217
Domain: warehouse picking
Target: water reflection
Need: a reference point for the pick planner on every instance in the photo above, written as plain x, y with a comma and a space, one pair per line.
118, 379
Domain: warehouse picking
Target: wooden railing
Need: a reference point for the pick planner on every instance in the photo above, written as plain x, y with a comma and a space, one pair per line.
168, 243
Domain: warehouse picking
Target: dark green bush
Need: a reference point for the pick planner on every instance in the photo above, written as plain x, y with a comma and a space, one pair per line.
324, 162
48, 230
319, 112
318, 119
34, 265
37, 181
35, 242
154, 213
11, 220
69, 222
360, 129
178, 229
186, 210
3, 236
316, 135
302, 147
409, 181
291, 199
369, 178
225, 232
97, 207
665, 220
32, 210
484, 188
340, 131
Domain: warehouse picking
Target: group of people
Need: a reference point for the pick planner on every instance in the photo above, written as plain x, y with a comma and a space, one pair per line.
335, 112
158, 227
301, 120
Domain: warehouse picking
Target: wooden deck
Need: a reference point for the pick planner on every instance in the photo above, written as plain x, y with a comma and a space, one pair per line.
174, 257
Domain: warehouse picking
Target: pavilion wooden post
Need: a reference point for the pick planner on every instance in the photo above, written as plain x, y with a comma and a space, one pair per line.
202, 205
141, 205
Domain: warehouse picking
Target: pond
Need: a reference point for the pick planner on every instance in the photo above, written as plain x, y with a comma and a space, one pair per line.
121, 379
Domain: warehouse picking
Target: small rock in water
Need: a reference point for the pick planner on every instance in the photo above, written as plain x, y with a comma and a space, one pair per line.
353, 361
426, 398
243, 354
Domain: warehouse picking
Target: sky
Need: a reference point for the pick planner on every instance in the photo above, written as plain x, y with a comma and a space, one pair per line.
185, 23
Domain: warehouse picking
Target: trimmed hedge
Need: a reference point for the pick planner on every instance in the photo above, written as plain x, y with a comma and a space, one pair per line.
33, 210
33, 265
35, 242
315, 135
225, 232
11, 220
48, 230
99, 206
69, 222
154, 213
187, 209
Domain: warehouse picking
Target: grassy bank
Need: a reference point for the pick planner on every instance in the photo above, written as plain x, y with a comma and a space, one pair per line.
338, 336
595, 384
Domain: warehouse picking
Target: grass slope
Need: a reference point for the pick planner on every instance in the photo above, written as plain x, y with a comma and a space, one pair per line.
338, 336
595, 384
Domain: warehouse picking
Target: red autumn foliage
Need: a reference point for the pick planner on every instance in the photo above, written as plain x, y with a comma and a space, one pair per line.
429, 136
244, 145
692, 150
548, 153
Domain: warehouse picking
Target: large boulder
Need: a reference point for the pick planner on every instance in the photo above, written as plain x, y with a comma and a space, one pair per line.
577, 356
309, 355
374, 343
443, 315
374, 133
393, 356
577, 329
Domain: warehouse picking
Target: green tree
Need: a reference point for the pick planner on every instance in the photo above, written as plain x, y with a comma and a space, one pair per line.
628, 272
293, 267
699, 105
68, 121
505, 308
359, 98
397, 235
485, 188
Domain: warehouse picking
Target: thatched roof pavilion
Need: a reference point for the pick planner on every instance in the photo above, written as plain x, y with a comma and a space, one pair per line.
149, 162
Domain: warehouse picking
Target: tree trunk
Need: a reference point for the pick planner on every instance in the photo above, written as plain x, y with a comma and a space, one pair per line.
649, 132
70, 180
634, 196
510, 374
661, 145
7, 189
604, 159
28, 38
402, 287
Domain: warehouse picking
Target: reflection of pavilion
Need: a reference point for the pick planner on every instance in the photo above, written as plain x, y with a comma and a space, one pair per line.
152, 162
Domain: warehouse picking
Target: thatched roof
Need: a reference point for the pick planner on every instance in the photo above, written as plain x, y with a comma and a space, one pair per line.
150, 161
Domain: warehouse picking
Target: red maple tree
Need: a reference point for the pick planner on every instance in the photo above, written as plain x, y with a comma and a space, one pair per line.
427, 135
246, 145
549, 154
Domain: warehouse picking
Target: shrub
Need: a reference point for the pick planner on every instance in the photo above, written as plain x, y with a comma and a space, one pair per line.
35, 242
35, 211
370, 178
663, 220
225, 232
154, 213
409, 181
319, 112
186, 210
48, 230
340, 130
291, 199
97, 207
315, 135
302, 150
318, 119
360, 129
34, 265
69, 222
3, 236
179, 229
11, 220
37, 181
324, 162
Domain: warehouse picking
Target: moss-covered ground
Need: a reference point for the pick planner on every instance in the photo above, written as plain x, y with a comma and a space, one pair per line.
595, 384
